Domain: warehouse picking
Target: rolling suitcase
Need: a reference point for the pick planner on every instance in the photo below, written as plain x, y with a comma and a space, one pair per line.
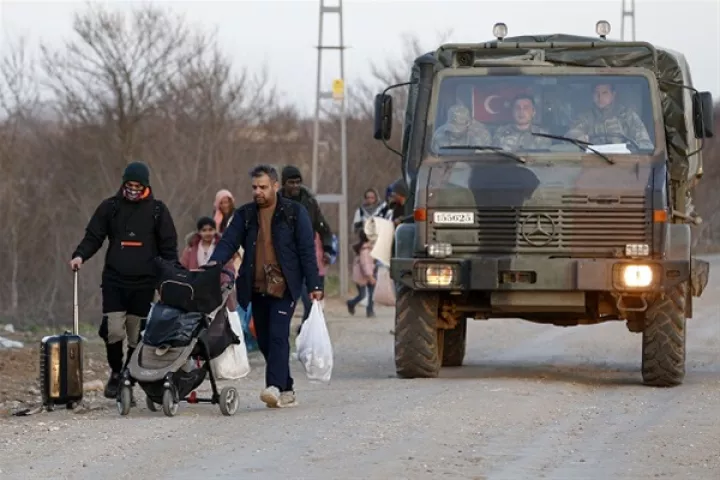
61, 363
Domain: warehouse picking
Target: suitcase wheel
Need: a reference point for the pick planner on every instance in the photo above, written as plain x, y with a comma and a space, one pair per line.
124, 400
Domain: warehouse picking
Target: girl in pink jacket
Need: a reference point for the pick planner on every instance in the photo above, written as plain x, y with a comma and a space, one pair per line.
363, 274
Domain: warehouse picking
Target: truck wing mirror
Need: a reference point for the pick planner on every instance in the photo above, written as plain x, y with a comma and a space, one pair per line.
383, 117
703, 115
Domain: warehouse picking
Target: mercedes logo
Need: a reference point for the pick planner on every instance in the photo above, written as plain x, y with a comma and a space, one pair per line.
538, 229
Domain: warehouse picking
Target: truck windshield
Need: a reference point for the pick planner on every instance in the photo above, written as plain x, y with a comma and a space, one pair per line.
612, 114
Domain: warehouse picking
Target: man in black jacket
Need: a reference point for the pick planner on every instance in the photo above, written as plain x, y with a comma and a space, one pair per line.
139, 228
293, 188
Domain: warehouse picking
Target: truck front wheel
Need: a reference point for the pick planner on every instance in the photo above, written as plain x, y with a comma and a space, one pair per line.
418, 347
663, 348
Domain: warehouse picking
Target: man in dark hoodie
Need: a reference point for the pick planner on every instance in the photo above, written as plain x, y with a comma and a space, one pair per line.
293, 189
139, 228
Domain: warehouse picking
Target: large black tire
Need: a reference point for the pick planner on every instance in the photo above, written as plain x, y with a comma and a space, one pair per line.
454, 344
663, 348
417, 350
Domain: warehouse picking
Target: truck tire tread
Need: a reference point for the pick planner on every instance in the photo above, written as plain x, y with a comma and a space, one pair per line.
663, 348
416, 344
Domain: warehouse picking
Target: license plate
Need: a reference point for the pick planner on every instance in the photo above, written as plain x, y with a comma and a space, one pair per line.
458, 218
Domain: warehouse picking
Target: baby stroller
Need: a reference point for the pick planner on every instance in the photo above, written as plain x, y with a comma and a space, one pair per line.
181, 337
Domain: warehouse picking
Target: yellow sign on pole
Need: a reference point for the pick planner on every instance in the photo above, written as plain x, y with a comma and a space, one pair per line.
338, 89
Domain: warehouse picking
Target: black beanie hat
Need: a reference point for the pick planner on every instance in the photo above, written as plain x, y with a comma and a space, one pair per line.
205, 221
400, 188
137, 172
291, 171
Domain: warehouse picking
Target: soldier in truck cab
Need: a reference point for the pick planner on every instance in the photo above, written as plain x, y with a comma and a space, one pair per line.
610, 122
461, 129
519, 135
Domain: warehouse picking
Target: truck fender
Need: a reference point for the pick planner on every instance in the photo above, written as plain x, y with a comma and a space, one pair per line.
677, 242
404, 240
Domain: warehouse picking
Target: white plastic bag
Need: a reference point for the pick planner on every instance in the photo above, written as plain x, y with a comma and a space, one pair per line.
233, 363
314, 349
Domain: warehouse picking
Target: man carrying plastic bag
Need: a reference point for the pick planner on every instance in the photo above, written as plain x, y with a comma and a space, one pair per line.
314, 349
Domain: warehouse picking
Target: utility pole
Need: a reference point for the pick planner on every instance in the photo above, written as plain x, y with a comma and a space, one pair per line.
628, 12
337, 94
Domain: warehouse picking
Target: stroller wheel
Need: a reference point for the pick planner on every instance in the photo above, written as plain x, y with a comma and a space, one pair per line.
124, 400
150, 405
229, 401
169, 406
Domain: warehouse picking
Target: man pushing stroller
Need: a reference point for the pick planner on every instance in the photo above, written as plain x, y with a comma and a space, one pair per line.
278, 239
139, 228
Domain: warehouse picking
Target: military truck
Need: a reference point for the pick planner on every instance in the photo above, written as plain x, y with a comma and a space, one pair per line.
558, 229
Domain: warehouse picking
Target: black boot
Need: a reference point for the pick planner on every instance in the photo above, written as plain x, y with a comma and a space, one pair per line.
114, 357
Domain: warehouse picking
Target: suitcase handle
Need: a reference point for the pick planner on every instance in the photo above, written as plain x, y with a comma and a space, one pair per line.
76, 314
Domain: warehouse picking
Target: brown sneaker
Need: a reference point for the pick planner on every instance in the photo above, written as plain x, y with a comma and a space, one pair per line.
271, 397
287, 400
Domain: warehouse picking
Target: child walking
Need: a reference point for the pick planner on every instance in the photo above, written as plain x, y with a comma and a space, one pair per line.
363, 274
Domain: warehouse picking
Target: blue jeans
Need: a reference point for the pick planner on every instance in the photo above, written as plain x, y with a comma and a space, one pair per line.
305, 297
272, 324
362, 291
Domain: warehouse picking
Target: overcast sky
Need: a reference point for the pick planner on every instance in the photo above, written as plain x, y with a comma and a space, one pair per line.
282, 34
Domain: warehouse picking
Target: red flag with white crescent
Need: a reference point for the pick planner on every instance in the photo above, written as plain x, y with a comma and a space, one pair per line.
494, 105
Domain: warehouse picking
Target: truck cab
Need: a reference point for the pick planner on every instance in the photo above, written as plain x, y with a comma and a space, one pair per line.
550, 180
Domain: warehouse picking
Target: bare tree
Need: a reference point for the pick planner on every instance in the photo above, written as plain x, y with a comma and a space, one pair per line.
18, 99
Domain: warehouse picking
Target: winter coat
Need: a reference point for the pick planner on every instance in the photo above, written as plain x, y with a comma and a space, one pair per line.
135, 238
317, 220
294, 248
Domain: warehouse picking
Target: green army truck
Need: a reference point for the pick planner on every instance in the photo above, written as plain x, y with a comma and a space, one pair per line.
551, 180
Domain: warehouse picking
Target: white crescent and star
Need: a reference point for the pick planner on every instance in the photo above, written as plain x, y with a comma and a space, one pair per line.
486, 104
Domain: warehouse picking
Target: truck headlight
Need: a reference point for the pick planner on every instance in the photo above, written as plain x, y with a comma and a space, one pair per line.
439, 250
637, 276
439, 275
637, 250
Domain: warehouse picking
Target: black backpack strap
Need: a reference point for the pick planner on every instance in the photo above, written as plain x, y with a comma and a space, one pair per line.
157, 211
113, 211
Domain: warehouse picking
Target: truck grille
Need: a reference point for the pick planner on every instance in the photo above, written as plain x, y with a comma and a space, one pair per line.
573, 230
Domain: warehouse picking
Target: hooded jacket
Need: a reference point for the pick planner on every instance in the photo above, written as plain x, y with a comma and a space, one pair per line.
135, 238
217, 214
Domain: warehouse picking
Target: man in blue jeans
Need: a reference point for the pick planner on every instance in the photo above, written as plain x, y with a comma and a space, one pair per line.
277, 236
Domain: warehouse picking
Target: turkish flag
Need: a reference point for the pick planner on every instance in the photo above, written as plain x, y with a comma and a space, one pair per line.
494, 105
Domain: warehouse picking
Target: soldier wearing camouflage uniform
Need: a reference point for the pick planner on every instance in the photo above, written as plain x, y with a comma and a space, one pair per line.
519, 136
461, 129
609, 122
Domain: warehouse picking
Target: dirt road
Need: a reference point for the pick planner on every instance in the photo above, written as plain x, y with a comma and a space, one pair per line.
532, 402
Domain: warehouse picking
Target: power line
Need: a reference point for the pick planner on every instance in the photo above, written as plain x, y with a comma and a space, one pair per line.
338, 95
628, 12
